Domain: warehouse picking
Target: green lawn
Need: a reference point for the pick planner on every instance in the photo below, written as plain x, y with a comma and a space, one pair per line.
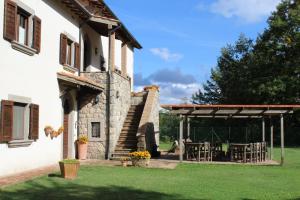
165, 146
187, 181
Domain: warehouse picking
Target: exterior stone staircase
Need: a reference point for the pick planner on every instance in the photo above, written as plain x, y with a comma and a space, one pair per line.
127, 140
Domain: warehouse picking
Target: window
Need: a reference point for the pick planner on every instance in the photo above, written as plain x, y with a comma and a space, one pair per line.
19, 122
95, 129
21, 27
69, 52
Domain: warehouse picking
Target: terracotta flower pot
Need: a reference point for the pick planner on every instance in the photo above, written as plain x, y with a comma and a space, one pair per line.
69, 170
82, 151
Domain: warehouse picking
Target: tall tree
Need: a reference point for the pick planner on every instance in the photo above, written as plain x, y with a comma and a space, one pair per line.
267, 71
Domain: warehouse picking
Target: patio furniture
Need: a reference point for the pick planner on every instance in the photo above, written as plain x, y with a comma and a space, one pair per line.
198, 151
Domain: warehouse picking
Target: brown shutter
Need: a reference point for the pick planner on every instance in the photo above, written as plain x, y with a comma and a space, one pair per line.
37, 23
34, 122
77, 56
10, 20
6, 121
63, 49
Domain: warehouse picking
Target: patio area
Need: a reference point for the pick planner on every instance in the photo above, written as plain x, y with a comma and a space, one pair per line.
212, 150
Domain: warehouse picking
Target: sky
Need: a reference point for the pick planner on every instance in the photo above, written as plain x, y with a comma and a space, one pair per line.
182, 39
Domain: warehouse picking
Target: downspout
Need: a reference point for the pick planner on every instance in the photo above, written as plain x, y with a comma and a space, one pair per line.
109, 77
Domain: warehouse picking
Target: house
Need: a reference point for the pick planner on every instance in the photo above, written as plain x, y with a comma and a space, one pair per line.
69, 64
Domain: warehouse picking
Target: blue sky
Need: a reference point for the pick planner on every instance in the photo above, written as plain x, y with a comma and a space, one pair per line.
182, 39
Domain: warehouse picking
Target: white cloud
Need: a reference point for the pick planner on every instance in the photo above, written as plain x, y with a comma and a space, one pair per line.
249, 10
166, 55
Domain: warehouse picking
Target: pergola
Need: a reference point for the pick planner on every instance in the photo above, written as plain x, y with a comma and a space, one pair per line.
187, 111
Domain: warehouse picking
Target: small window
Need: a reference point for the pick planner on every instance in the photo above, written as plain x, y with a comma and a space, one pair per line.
95, 129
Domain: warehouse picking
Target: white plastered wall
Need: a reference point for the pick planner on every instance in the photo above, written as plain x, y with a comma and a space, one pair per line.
130, 64
35, 77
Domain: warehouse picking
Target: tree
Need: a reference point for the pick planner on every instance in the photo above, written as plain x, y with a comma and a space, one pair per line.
267, 71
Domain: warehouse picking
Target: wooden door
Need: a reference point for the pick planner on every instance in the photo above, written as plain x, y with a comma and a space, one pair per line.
66, 131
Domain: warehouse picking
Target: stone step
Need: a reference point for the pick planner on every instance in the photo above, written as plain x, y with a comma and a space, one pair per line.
122, 147
124, 138
122, 151
131, 123
129, 128
128, 134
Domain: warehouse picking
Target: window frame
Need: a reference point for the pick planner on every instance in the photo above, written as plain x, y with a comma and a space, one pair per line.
69, 63
28, 46
102, 130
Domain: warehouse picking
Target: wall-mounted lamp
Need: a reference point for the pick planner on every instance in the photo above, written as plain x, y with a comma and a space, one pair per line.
96, 50
97, 99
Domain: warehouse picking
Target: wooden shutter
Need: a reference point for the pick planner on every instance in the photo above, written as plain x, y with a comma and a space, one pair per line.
37, 23
6, 120
34, 122
77, 56
10, 20
63, 49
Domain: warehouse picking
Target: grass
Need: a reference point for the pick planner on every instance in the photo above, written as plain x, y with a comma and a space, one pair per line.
187, 181
165, 145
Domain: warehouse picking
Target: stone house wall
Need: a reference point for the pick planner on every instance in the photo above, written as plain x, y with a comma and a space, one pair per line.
92, 111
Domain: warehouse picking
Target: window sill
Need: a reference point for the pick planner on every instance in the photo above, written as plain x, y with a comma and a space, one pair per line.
19, 143
70, 69
96, 140
23, 48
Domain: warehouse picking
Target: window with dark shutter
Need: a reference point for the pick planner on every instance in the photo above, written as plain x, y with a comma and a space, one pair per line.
6, 121
34, 122
10, 20
77, 56
37, 23
63, 48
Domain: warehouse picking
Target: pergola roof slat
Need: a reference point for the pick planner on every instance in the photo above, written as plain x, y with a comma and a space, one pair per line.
234, 111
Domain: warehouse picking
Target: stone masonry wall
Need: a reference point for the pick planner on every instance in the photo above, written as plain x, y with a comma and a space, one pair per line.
90, 111
120, 104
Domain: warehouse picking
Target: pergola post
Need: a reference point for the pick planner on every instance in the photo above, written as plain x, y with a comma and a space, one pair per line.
188, 128
263, 130
180, 139
282, 138
271, 138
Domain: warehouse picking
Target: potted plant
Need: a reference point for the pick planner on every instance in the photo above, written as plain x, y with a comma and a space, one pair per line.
69, 168
124, 161
140, 158
82, 143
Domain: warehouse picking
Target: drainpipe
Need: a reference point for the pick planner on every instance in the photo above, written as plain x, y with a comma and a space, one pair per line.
109, 77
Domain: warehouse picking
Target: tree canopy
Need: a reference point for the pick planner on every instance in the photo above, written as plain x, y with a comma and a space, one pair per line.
264, 71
